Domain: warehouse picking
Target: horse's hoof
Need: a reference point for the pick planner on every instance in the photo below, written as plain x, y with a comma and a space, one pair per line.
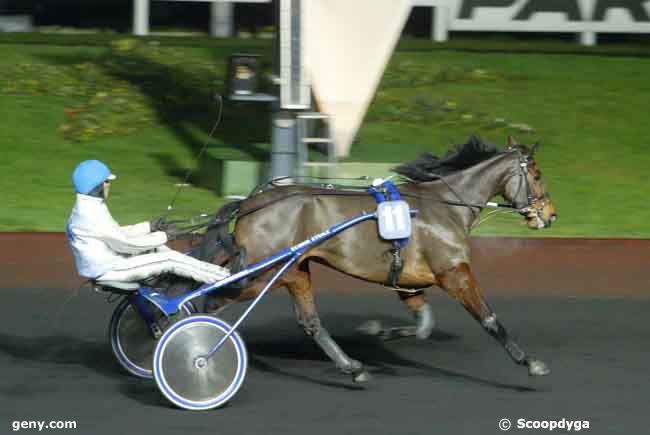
400, 332
371, 327
355, 366
351, 367
361, 377
537, 368
424, 332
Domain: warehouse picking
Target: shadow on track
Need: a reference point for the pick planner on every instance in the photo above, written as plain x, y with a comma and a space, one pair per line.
286, 343
371, 350
144, 391
59, 349
94, 355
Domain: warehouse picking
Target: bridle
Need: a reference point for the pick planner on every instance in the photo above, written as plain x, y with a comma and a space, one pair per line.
534, 204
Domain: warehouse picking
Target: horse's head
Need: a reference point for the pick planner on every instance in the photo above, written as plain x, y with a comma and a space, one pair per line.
526, 190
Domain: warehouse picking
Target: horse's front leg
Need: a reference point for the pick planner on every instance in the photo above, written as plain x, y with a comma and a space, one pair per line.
462, 285
301, 290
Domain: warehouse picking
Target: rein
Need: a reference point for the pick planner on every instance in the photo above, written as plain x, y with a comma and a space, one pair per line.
240, 214
198, 156
361, 192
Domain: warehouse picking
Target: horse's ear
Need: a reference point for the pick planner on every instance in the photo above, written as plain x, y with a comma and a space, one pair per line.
512, 142
534, 149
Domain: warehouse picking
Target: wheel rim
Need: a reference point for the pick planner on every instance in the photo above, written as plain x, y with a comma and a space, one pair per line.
131, 339
186, 378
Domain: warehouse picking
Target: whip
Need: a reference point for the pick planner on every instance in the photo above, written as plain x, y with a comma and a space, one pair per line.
170, 207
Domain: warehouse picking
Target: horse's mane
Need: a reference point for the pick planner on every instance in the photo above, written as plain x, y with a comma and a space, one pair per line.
429, 167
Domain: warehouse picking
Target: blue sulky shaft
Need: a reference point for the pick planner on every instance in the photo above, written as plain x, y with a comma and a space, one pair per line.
171, 305
253, 304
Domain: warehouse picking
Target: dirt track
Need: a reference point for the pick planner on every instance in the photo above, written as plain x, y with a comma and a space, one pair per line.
510, 266
581, 306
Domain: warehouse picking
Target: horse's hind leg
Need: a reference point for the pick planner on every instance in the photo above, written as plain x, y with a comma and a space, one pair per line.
417, 304
302, 293
461, 284
217, 302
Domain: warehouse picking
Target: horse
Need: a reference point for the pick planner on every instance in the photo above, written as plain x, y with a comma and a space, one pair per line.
449, 193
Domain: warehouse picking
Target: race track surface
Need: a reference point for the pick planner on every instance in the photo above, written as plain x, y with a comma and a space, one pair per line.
56, 364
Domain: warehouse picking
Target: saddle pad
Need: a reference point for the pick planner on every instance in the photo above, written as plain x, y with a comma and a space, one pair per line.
394, 220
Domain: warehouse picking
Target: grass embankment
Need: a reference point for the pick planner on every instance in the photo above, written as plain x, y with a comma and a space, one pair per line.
146, 109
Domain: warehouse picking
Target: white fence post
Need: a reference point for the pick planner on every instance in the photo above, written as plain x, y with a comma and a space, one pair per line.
221, 19
588, 38
140, 17
440, 30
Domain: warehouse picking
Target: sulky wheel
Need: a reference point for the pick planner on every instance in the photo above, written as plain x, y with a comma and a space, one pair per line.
132, 340
186, 377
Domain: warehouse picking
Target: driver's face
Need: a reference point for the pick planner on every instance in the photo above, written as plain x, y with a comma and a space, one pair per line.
107, 188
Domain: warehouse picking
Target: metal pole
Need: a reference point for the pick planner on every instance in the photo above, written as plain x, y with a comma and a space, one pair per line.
283, 146
294, 91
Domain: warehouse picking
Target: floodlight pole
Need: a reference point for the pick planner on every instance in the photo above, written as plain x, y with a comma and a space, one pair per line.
284, 151
294, 87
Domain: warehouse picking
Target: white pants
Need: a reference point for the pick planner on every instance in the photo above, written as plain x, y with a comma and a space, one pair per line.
165, 260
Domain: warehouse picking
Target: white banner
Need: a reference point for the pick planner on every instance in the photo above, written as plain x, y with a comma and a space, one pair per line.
348, 44
598, 16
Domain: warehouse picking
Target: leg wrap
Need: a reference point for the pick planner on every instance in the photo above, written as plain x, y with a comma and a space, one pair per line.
496, 330
311, 324
336, 354
425, 322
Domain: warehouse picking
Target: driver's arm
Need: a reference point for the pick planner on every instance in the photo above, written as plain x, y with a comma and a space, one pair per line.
124, 243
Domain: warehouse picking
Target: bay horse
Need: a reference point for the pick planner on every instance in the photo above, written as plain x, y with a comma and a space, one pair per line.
449, 192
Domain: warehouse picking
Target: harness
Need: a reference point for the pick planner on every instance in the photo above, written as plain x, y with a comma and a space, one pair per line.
384, 192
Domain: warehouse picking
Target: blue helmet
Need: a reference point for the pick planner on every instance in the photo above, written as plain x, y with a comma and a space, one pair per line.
90, 174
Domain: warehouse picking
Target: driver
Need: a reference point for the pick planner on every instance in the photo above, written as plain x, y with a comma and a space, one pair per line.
105, 251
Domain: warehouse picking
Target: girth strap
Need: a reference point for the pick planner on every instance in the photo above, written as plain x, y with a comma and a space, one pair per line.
396, 265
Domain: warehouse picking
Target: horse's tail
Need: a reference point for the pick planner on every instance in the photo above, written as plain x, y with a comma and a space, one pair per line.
217, 240
228, 212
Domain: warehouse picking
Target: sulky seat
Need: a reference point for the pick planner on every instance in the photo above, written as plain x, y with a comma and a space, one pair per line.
120, 287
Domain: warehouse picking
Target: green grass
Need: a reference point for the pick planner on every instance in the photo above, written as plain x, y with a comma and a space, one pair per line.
586, 110
146, 107
36, 180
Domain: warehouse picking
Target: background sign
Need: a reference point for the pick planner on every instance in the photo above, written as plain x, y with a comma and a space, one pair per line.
599, 16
